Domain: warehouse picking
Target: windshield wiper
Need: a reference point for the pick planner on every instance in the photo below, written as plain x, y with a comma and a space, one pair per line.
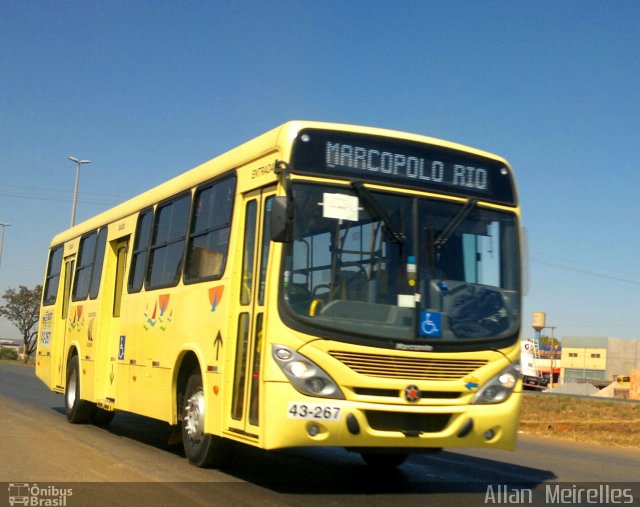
377, 212
452, 226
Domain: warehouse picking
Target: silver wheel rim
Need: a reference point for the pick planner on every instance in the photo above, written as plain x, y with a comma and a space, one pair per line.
71, 389
194, 417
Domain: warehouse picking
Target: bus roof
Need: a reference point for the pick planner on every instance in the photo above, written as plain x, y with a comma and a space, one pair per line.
277, 140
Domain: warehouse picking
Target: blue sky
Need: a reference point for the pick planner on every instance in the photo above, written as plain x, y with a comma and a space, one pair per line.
148, 89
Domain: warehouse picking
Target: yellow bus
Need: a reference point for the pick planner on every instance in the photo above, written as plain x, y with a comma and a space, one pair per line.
319, 285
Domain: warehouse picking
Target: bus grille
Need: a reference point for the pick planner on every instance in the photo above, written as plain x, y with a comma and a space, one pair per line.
407, 422
375, 365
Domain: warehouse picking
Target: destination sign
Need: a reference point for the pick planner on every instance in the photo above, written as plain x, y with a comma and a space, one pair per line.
401, 163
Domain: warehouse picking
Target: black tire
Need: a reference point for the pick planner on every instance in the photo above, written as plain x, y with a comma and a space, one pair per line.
202, 449
384, 460
78, 411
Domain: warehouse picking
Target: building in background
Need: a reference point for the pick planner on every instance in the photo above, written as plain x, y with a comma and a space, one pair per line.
598, 359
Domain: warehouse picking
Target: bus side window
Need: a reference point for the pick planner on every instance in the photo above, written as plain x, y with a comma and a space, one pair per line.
53, 277
86, 255
209, 233
167, 244
140, 251
96, 274
89, 267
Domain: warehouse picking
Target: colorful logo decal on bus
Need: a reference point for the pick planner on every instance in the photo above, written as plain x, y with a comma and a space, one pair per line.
77, 321
215, 296
161, 316
471, 383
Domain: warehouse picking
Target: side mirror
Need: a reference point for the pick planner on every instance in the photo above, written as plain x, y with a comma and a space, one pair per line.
281, 220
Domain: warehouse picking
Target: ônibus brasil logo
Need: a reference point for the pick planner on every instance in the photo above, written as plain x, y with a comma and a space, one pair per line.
22, 493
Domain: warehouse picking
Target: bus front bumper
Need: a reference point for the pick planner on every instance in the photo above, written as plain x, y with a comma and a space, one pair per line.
297, 420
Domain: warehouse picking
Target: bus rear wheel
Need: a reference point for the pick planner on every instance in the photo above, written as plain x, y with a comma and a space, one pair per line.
384, 460
78, 411
202, 449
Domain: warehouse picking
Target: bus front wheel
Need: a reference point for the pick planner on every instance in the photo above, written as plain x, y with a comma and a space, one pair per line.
202, 449
78, 411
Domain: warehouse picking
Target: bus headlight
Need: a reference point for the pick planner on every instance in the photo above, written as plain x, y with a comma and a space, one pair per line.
305, 375
500, 387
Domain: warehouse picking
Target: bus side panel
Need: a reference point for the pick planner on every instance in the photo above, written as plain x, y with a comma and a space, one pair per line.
43, 355
158, 327
50, 358
82, 328
43, 367
133, 361
150, 330
123, 391
214, 400
87, 379
203, 314
149, 388
214, 332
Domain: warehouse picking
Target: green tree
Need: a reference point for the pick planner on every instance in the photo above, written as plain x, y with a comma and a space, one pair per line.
547, 340
7, 353
22, 309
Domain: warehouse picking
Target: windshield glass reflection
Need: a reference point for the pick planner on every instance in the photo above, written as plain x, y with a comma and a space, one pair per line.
400, 267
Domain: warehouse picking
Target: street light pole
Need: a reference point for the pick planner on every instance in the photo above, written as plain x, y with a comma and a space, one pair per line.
3, 225
75, 188
553, 355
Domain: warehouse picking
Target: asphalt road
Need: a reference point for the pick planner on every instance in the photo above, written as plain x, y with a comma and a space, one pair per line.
130, 462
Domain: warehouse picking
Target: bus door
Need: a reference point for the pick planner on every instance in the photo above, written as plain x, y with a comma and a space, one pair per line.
247, 374
116, 342
61, 330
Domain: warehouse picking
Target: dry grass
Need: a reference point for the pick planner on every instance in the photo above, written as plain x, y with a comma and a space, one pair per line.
582, 419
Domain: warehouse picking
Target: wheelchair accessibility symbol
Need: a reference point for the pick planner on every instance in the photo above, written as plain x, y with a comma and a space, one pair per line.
430, 324
121, 347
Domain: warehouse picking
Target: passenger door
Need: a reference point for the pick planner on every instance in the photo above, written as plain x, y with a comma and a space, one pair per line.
116, 343
60, 334
247, 366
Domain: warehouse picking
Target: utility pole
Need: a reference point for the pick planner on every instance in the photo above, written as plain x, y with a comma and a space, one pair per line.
4, 226
553, 355
75, 188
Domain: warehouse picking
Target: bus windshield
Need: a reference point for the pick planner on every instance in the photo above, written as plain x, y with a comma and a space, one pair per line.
366, 266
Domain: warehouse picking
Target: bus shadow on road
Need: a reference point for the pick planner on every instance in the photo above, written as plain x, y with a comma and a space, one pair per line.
139, 428
324, 471
335, 471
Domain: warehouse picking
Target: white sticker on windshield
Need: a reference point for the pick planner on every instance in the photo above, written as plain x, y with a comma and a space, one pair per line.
340, 206
406, 300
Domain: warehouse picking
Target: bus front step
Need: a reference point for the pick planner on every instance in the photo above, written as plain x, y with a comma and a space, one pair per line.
106, 404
